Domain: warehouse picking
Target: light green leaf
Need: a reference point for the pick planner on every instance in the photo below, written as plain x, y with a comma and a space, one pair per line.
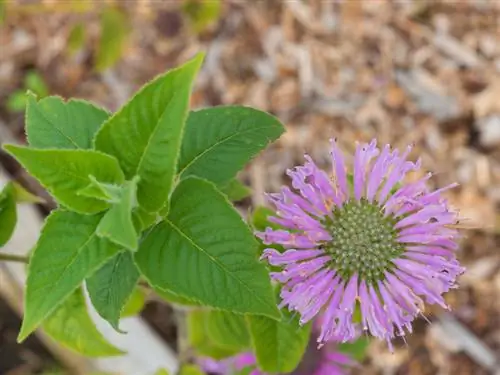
175, 298
67, 252
114, 33
205, 252
117, 224
8, 213
201, 13
24, 196
53, 123
191, 370
106, 192
357, 349
235, 190
145, 220
278, 345
145, 135
228, 330
112, 285
71, 326
16, 102
162, 372
64, 172
76, 38
134, 304
199, 339
33, 81
219, 141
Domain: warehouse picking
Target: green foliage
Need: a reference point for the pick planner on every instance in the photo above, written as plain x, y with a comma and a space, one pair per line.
145, 135
33, 82
200, 340
71, 326
139, 196
8, 213
278, 345
112, 286
54, 123
357, 349
175, 299
201, 13
183, 255
218, 142
235, 190
114, 32
228, 330
76, 38
64, 172
24, 196
68, 251
117, 224
134, 304
191, 370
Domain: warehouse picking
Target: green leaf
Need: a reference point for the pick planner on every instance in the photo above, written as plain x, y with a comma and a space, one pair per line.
162, 372
105, 192
8, 213
175, 298
201, 14
218, 142
71, 326
64, 172
200, 340
145, 220
235, 190
67, 252
76, 38
205, 252
278, 345
117, 224
191, 370
145, 135
16, 102
33, 81
54, 123
134, 304
112, 285
260, 219
228, 330
357, 349
114, 33
24, 196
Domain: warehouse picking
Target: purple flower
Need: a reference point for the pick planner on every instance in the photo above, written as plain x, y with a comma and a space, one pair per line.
364, 241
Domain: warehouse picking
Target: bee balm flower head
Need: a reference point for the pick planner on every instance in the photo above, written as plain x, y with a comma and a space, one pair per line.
363, 240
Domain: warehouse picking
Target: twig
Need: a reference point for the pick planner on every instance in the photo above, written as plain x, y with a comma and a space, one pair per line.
13, 258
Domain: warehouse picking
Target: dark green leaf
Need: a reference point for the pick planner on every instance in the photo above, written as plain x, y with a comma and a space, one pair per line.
112, 285
146, 133
67, 252
218, 142
8, 213
64, 172
205, 252
54, 123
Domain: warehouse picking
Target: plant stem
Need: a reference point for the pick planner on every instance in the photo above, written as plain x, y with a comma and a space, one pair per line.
13, 258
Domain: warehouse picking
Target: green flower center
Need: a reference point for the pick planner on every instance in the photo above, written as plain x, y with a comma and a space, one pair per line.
364, 241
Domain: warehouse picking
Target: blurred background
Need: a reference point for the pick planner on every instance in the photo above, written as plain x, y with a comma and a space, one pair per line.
422, 72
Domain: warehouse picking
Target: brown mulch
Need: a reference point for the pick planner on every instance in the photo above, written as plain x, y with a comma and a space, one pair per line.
421, 72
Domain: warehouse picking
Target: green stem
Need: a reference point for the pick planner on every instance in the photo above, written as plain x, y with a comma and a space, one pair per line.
13, 258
